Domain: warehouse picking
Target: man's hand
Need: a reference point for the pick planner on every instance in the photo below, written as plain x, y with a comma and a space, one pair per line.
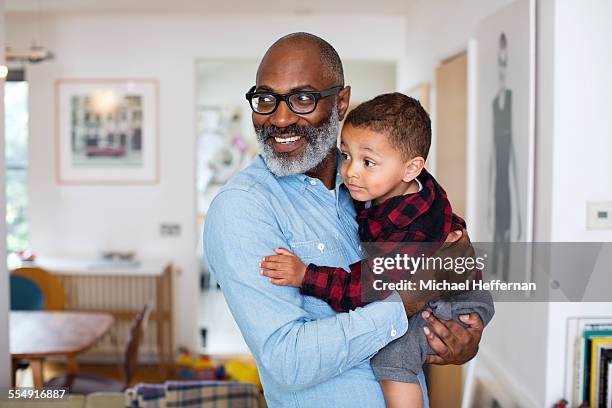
452, 343
284, 269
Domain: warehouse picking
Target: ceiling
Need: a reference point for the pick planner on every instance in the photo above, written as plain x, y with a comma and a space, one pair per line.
302, 7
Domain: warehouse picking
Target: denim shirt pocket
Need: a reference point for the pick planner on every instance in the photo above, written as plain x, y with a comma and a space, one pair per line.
317, 251
320, 251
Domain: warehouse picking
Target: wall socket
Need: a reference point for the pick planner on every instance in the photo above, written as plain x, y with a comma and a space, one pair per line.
599, 214
168, 230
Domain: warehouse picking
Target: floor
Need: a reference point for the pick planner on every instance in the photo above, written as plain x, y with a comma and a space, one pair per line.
222, 333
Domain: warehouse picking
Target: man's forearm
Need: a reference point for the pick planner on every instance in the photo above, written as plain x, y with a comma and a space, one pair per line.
297, 358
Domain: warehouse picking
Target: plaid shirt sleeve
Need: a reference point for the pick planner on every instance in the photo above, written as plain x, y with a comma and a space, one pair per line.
343, 291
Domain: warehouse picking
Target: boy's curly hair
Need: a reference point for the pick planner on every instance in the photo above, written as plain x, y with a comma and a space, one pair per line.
398, 116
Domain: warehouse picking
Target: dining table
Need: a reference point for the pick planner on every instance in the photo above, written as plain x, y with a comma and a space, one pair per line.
36, 335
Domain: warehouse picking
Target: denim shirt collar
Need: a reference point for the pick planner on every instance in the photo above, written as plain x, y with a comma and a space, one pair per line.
303, 180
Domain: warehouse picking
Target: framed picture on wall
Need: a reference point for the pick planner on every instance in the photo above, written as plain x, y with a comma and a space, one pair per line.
502, 63
107, 131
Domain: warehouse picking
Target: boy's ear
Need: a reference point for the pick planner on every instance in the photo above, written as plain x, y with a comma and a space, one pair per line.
413, 168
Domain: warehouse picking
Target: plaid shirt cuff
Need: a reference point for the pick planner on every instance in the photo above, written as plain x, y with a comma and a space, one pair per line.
315, 281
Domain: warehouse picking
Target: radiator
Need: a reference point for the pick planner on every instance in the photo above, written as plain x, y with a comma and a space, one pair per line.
122, 292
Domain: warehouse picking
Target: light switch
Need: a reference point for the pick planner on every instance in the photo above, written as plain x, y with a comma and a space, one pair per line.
170, 229
599, 214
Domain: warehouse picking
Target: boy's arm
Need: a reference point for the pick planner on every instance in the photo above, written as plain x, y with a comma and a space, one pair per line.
343, 291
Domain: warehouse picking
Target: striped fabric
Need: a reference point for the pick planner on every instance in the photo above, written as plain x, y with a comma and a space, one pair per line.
192, 394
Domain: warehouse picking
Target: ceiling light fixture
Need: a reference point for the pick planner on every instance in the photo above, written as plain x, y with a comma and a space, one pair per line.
34, 54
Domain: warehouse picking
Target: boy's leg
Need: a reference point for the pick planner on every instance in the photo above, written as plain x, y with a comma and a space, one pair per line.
402, 395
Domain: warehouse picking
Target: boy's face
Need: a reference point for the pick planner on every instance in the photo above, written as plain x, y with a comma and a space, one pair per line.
372, 169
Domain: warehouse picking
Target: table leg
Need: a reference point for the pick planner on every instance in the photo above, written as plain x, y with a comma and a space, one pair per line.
37, 372
14, 363
73, 364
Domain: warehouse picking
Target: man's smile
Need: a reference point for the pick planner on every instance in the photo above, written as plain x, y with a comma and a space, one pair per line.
287, 144
287, 139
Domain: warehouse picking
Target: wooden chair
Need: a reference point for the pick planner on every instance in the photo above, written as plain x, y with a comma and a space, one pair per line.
51, 286
83, 383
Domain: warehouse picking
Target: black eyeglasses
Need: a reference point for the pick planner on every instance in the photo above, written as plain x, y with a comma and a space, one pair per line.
300, 102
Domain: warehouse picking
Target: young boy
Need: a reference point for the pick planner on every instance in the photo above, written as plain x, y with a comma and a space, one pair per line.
385, 142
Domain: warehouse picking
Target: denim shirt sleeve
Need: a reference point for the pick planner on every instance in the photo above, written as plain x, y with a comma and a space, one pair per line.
295, 349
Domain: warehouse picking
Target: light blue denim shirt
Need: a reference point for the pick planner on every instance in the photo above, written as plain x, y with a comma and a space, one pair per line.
307, 354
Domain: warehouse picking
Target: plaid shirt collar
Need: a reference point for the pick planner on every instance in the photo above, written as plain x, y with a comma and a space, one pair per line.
400, 211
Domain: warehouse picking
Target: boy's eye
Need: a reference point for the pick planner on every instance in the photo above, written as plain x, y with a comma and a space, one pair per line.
369, 163
344, 156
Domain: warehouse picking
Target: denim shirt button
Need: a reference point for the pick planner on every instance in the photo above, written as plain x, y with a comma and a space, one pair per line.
393, 331
321, 246
313, 182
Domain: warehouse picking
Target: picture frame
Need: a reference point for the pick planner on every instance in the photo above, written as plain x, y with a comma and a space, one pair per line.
107, 131
501, 168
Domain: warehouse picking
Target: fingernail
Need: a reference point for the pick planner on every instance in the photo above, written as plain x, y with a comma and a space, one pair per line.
261, 272
464, 317
425, 314
426, 330
260, 264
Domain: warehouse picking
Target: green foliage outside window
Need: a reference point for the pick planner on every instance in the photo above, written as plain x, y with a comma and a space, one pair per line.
16, 150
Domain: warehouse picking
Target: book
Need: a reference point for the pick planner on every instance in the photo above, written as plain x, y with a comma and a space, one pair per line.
604, 375
609, 390
597, 344
588, 336
576, 356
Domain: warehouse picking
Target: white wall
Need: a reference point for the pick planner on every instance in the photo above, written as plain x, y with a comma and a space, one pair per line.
5, 368
85, 220
581, 150
583, 124
437, 30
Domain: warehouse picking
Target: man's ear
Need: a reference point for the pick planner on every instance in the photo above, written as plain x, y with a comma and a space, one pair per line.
413, 168
344, 97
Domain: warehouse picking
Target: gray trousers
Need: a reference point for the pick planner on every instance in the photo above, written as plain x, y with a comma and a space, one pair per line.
402, 359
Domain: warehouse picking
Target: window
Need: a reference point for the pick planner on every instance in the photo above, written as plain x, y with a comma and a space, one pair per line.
16, 156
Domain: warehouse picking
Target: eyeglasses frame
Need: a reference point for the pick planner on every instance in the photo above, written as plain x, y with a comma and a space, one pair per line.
285, 97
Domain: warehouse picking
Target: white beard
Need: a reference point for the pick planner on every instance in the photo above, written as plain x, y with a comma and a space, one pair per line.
319, 142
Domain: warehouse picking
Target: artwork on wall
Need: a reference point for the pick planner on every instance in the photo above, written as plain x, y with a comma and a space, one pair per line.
504, 77
107, 131
223, 150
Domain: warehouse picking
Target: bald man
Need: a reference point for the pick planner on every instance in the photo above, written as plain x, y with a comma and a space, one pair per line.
292, 196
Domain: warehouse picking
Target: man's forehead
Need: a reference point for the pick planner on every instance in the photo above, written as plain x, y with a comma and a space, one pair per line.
286, 68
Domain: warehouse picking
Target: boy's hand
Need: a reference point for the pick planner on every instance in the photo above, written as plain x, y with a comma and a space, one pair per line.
284, 269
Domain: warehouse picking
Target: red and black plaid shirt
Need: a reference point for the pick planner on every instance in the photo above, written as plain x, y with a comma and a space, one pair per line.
425, 216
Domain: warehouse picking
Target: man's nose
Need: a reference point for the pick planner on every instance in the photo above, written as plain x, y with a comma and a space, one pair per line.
283, 116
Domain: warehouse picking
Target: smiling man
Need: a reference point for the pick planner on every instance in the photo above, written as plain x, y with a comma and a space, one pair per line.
292, 196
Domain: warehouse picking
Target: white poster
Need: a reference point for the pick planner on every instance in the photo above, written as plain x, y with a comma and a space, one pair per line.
505, 100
